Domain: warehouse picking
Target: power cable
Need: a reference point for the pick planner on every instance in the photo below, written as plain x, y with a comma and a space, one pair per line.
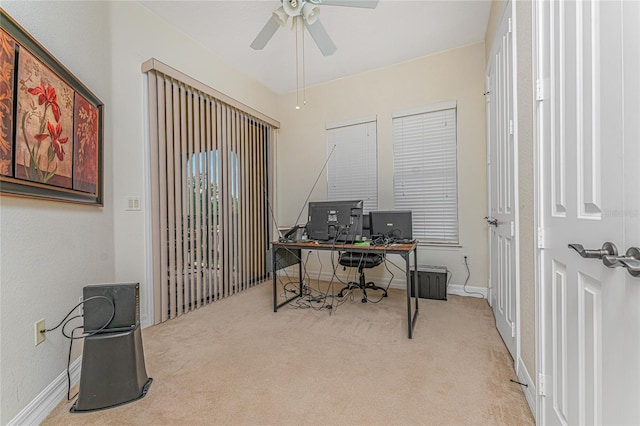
464, 287
66, 320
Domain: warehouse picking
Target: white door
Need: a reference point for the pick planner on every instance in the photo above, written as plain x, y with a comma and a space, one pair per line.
589, 129
502, 184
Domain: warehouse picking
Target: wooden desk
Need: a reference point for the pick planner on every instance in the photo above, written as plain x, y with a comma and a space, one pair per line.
287, 254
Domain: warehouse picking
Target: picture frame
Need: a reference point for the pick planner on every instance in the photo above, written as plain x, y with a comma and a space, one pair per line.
51, 124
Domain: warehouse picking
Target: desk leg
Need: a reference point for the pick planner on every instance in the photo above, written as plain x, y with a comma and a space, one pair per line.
411, 316
300, 274
408, 278
275, 280
415, 278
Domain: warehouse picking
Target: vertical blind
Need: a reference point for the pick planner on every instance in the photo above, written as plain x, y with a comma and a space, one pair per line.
210, 177
425, 171
352, 170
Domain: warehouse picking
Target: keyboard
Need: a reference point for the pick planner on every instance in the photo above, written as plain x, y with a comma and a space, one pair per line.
402, 241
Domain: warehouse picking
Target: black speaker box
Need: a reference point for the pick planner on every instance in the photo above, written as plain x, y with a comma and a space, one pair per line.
432, 282
98, 310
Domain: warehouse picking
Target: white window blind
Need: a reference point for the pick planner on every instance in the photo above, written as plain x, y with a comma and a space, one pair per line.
425, 171
352, 168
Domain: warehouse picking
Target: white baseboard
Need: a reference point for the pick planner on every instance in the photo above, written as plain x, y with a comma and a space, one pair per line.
530, 391
144, 321
43, 404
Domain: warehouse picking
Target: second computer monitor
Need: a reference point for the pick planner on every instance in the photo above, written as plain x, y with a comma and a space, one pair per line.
335, 220
394, 224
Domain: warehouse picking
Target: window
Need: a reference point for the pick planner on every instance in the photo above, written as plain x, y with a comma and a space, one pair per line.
425, 171
352, 167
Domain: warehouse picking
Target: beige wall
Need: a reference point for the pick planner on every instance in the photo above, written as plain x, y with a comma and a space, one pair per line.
455, 75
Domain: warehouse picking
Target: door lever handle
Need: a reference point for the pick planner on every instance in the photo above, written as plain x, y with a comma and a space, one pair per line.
608, 249
631, 261
491, 221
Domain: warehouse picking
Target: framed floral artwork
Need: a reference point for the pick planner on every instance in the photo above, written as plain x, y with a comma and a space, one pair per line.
7, 68
50, 124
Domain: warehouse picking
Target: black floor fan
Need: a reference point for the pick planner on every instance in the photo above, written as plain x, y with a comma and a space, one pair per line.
113, 370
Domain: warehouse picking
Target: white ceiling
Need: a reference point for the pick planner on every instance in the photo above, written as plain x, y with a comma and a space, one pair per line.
396, 31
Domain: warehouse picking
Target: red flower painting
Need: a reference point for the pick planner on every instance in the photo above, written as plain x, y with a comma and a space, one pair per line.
36, 171
44, 125
56, 140
47, 97
50, 124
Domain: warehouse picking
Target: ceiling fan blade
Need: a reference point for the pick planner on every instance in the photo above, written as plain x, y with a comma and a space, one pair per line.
265, 34
367, 4
322, 39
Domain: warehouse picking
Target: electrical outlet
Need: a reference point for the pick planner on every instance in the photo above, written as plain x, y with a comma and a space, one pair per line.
464, 258
39, 331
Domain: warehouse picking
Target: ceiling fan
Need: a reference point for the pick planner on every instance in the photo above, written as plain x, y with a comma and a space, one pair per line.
307, 11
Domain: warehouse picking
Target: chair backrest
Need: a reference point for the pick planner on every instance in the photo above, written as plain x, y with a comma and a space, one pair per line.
353, 259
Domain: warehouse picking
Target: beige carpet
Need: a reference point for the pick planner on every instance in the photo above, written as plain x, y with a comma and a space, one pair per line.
236, 362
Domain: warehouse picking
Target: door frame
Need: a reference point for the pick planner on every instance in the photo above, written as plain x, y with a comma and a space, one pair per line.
538, 205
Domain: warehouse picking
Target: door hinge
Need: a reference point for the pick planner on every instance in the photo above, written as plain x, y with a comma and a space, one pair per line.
539, 91
540, 238
513, 329
510, 126
513, 229
541, 385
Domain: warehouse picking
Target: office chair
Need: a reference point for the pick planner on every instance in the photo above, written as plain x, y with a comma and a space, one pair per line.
361, 261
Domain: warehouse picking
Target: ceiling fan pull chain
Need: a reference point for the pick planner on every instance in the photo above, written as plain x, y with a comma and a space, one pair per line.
297, 72
304, 69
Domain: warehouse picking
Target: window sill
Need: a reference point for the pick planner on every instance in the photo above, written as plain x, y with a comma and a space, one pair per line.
439, 245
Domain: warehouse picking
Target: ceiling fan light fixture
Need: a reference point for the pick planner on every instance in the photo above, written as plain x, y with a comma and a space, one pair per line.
310, 13
292, 7
281, 16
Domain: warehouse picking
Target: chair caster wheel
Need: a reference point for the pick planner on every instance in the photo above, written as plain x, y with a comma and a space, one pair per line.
364, 300
385, 295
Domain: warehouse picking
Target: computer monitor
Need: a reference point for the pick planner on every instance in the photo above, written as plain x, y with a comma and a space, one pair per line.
366, 227
335, 220
393, 224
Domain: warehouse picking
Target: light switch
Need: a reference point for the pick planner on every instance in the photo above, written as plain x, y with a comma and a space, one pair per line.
133, 203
